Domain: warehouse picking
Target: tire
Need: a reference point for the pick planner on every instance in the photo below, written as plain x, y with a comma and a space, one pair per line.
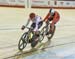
52, 33
22, 42
34, 42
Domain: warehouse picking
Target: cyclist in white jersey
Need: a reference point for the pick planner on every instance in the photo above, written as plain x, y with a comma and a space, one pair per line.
36, 22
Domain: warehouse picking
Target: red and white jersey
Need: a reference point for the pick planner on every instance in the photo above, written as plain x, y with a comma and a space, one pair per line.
55, 17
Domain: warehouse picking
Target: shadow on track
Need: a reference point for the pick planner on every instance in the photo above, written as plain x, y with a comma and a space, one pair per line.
39, 49
21, 54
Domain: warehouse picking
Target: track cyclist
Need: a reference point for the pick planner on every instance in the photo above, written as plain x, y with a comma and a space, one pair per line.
36, 23
53, 17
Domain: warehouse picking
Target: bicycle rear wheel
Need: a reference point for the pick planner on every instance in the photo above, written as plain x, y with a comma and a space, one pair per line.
34, 41
22, 42
51, 34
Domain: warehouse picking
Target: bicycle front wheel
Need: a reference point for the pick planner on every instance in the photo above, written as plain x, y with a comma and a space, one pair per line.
42, 34
22, 42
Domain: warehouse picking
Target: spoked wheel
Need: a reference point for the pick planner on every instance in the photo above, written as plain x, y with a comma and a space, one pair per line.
51, 34
22, 42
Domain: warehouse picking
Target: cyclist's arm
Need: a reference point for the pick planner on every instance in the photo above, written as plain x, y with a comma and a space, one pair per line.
46, 18
27, 23
23, 27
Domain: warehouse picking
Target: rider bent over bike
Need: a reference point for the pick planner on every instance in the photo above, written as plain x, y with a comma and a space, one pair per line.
52, 16
36, 23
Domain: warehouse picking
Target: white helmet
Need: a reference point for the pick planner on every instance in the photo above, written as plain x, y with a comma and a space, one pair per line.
51, 11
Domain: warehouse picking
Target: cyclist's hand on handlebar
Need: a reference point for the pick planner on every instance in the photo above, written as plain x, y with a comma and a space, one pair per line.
45, 21
23, 27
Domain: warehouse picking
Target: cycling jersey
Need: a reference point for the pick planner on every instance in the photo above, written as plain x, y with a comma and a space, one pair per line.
35, 22
54, 18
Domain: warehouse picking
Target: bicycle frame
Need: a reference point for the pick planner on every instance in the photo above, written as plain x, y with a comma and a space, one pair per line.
30, 33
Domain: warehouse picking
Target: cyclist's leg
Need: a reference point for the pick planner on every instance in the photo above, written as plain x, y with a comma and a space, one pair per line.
40, 24
33, 25
36, 30
51, 28
54, 21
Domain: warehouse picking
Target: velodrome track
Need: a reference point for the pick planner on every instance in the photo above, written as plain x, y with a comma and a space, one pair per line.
62, 45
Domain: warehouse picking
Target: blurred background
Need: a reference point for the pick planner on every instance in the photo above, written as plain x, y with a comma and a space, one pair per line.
14, 14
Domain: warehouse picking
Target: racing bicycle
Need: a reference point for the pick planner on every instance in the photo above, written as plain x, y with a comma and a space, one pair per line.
46, 29
29, 37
